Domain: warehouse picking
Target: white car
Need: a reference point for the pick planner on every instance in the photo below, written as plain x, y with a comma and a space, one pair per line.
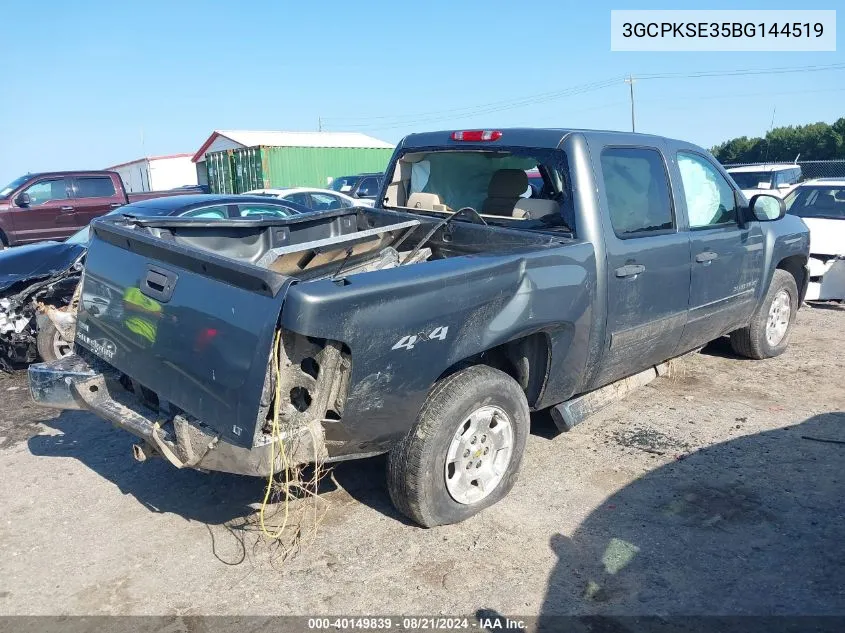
316, 199
776, 180
821, 204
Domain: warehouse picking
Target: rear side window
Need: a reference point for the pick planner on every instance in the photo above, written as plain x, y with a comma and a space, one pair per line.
94, 187
247, 210
369, 188
210, 213
637, 190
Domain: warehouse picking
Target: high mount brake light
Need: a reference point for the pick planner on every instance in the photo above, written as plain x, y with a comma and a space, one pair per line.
477, 135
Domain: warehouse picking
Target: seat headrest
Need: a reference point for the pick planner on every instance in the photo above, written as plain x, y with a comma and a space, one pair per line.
825, 201
531, 209
507, 183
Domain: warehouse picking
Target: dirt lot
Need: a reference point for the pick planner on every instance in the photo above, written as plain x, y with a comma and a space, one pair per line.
701, 493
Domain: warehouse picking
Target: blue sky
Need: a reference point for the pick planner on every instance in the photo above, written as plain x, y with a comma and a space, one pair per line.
85, 85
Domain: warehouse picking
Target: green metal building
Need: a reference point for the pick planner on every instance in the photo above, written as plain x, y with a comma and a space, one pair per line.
238, 161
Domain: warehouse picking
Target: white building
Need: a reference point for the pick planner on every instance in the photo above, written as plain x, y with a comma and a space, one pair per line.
157, 173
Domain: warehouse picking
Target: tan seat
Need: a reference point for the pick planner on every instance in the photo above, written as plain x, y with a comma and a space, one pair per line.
531, 209
429, 201
504, 191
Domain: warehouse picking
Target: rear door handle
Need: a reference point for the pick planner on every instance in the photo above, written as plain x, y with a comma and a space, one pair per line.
630, 270
65, 208
706, 257
115, 205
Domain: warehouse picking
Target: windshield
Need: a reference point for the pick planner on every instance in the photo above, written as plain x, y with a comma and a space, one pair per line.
753, 179
5, 191
343, 184
817, 202
83, 235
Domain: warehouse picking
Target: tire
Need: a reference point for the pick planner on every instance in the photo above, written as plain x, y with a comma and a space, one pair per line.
454, 417
51, 346
753, 341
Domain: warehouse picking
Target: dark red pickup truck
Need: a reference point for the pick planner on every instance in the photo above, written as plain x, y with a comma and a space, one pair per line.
55, 205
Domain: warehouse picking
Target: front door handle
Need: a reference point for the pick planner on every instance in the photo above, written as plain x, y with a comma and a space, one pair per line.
630, 270
65, 208
115, 205
706, 257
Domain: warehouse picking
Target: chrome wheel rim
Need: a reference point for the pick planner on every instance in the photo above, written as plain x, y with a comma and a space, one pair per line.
479, 455
61, 347
778, 322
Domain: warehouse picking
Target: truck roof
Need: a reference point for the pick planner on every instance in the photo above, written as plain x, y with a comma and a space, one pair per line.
527, 137
75, 172
763, 168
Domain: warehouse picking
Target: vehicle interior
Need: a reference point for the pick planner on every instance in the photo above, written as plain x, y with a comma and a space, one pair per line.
496, 184
810, 202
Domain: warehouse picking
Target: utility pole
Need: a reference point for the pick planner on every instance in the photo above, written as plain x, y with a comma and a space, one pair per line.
630, 81
319, 124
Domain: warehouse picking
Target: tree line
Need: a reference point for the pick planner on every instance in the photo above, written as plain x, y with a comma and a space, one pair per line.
816, 141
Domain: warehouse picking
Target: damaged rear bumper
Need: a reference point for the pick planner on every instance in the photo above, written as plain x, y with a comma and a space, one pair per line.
74, 383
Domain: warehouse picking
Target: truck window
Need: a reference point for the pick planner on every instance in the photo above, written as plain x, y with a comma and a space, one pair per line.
369, 188
492, 182
709, 197
94, 187
47, 190
637, 190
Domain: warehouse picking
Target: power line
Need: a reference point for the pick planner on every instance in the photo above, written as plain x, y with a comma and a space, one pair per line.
387, 122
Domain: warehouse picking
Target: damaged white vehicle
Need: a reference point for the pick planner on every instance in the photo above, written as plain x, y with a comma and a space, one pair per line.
821, 204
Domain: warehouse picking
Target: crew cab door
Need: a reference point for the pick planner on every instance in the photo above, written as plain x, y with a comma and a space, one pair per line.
50, 213
726, 258
648, 262
93, 196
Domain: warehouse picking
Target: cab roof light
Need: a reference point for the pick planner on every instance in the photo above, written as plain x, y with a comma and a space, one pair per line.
475, 136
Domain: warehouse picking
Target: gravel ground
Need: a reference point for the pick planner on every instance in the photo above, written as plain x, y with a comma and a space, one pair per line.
701, 493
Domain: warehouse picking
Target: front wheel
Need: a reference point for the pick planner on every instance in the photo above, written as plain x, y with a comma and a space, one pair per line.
464, 451
50, 343
768, 333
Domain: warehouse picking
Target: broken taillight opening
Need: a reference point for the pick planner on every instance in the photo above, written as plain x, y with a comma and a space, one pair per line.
477, 135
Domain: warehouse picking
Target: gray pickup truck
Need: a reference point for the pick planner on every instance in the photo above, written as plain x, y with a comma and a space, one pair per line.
429, 326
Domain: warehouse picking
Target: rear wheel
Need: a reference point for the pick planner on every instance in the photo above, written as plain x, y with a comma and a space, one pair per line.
464, 451
50, 343
768, 333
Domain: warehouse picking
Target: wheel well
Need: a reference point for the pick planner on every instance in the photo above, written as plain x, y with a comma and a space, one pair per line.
526, 360
795, 266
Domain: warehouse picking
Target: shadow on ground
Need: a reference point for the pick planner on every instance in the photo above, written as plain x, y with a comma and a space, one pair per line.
753, 526
212, 498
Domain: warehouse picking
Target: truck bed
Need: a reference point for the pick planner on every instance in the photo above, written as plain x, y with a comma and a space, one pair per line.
186, 309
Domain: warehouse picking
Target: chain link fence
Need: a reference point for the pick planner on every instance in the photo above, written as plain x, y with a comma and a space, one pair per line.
809, 168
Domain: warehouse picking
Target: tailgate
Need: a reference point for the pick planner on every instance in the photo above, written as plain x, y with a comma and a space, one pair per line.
193, 327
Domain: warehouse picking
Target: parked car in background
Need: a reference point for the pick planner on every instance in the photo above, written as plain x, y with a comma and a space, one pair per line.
361, 187
37, 281
55, 205
429, 326
315, 199
821, 204
777, 180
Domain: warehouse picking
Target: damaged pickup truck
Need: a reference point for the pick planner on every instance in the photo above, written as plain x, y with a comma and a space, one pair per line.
429, 326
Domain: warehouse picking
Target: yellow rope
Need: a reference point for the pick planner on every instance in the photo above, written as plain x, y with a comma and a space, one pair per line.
276, 435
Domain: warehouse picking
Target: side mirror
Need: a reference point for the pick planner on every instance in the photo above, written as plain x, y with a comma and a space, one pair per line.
23, 200
767, 208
